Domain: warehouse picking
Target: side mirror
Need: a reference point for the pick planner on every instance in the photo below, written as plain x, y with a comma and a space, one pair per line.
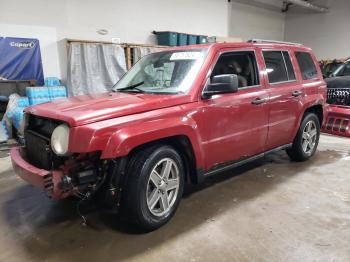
221, 84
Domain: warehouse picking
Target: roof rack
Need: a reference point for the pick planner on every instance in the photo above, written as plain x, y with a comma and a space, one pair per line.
271, 41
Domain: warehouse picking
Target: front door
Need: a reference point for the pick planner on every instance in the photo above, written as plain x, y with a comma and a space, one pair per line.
236, 123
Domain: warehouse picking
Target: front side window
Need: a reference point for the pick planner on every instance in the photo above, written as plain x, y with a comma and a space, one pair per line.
168, 72
243, 64
307, 65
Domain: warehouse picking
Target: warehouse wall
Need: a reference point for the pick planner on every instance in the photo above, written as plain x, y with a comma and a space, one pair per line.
80, 19
327, 34
131, 21
257, 19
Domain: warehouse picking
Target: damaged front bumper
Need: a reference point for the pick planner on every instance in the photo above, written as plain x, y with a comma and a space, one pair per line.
49, 181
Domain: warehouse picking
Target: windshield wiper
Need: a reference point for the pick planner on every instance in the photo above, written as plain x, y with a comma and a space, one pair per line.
131, 87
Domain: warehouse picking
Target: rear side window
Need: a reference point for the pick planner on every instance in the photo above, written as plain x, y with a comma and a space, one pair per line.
307, 65
276, 69
289, 65
279, 66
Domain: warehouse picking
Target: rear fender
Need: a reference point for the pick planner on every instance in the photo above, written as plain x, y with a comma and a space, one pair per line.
309, 104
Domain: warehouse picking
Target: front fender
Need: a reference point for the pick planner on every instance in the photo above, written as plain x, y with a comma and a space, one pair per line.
122, 141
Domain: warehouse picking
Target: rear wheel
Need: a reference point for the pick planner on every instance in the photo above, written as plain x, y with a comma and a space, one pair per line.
306, 140
154, 188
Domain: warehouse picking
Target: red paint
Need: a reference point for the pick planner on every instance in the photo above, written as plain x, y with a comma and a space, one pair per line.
26, 171
224, 128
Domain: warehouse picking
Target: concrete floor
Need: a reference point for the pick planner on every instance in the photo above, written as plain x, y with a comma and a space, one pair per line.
271, 210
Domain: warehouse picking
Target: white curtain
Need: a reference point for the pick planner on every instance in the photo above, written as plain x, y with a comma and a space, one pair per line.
94, 68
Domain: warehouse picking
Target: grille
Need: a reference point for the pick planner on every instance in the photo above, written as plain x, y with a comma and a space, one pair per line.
37, 141
338, 96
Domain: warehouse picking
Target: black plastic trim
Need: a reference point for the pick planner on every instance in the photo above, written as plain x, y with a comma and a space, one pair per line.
238, 163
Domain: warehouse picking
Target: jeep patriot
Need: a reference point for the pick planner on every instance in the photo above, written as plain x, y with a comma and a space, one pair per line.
177, 116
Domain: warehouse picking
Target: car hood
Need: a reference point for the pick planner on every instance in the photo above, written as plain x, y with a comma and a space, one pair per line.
338, 82
85, 109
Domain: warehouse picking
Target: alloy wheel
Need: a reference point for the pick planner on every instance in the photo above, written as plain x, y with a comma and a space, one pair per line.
309, 138
163, 187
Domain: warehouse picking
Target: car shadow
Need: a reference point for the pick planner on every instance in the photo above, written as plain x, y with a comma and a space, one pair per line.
47, 228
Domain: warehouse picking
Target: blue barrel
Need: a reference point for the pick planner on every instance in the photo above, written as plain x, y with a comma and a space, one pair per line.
192, 39
202, 39
166, 38
181, 39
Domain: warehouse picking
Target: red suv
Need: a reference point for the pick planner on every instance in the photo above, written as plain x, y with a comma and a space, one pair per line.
176, 117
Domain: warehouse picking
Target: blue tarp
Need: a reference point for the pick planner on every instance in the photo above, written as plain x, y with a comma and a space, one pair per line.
20, 59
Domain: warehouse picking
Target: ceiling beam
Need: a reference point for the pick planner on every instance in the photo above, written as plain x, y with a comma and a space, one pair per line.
307, 5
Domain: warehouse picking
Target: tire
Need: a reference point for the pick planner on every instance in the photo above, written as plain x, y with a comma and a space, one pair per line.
141, 186
299, 152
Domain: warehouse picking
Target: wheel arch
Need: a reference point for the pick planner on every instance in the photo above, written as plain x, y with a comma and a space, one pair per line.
317, 110
183, 145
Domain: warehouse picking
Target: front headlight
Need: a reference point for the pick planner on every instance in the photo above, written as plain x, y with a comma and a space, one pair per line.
60, 140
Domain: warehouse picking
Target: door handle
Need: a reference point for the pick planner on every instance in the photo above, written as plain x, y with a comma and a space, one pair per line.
259, 101
297, 93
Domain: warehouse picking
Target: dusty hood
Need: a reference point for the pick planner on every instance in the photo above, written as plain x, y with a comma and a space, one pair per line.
81, 110
338, 82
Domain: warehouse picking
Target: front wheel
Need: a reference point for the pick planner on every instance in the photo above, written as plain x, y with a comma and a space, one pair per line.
155, 186
306, 140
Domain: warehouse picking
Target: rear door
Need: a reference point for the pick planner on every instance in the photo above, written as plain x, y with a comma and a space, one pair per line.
285, 92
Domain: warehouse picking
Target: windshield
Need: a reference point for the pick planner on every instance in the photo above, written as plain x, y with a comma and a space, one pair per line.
343, 70
170, 72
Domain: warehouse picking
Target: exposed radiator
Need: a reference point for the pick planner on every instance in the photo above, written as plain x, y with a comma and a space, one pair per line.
37, 136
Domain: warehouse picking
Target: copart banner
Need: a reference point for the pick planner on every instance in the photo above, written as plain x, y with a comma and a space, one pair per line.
20, 59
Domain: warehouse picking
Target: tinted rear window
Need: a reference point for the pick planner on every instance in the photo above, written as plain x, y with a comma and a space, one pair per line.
276, 69
307, 65
289, 65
